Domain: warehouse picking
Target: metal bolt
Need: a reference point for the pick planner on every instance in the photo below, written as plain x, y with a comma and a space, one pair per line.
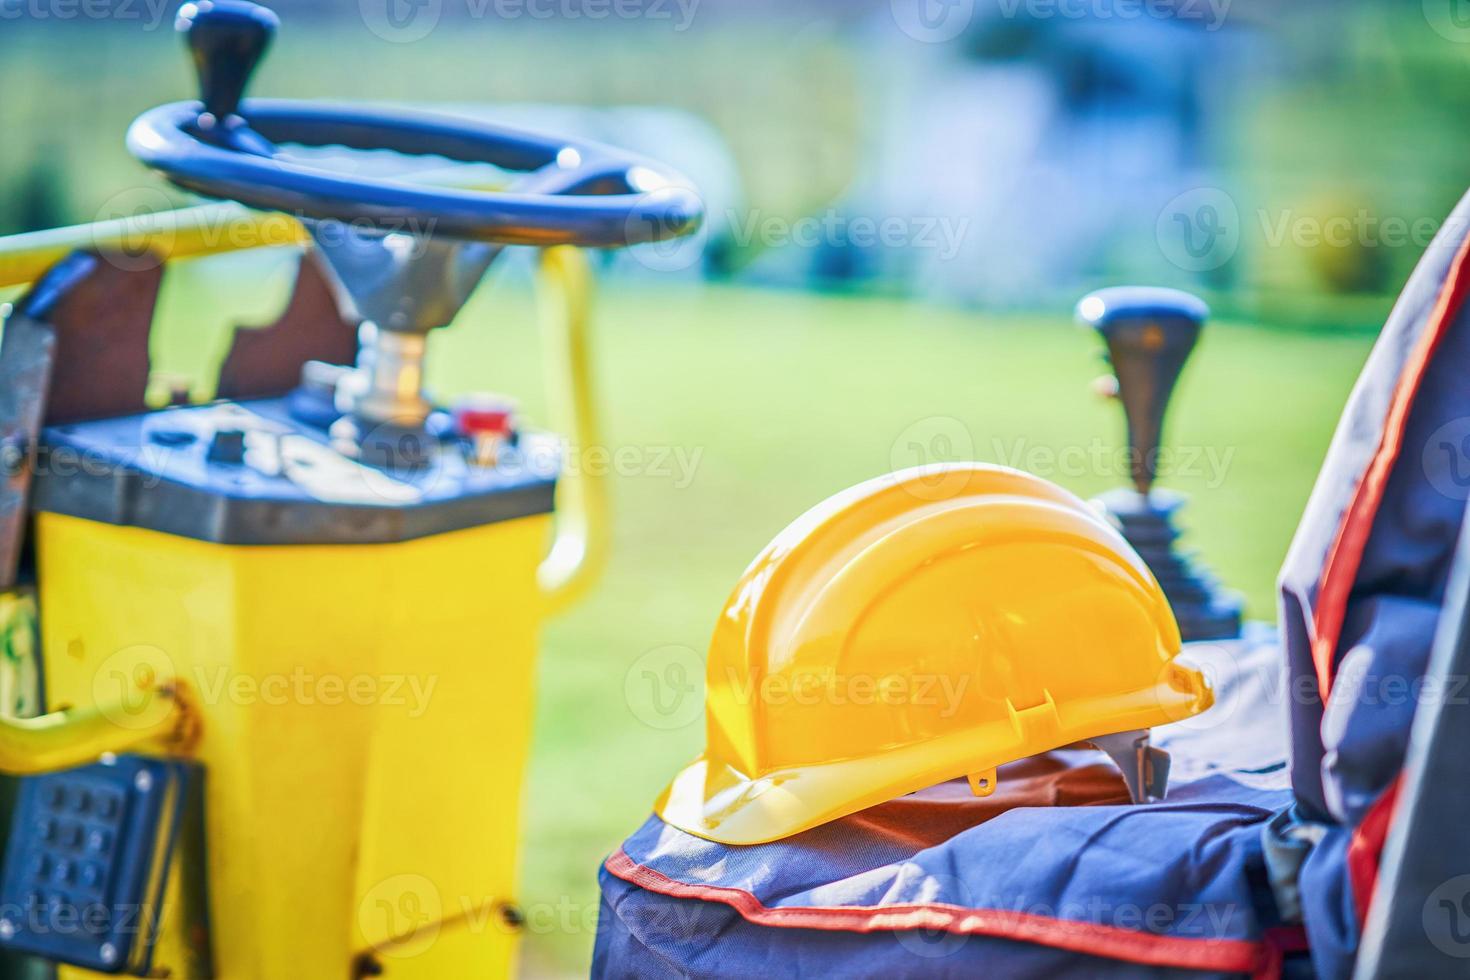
7, 929
108, 953
143, 781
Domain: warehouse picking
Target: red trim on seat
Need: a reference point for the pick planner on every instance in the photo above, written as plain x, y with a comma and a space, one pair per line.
1346, 554
1366, 847
1280, 941
1113, 942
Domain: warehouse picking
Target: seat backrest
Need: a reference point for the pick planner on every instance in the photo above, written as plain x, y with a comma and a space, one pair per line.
102, 308
1364, 584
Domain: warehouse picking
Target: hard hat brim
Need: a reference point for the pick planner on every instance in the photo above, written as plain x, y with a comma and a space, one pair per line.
716, 802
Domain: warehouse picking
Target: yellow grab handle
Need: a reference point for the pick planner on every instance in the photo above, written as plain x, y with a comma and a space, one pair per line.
76, 737
580, 549
152, 715
208, 229
179, 233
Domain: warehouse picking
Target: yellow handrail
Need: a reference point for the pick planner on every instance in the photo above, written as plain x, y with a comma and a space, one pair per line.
155, 714
76, 737
580, 549
208, 229
179, 233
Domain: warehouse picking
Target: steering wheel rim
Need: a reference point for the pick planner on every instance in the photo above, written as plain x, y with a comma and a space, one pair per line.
575, 192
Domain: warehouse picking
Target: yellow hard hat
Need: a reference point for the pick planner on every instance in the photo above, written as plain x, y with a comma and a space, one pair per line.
929, 624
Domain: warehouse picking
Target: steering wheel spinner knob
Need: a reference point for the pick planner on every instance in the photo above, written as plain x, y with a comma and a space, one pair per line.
227, 40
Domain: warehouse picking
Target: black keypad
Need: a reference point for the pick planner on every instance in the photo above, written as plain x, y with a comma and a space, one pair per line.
80, 877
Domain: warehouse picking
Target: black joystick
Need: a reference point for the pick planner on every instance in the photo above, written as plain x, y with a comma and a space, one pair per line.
1150, 334
227, 40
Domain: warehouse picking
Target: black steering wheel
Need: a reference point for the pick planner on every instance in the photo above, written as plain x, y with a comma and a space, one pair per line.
573, 193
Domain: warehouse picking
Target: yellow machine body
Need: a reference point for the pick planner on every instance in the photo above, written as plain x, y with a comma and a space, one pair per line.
364, 715
360, 713
923, 626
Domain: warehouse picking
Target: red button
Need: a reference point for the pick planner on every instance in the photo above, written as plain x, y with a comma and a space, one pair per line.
484, 415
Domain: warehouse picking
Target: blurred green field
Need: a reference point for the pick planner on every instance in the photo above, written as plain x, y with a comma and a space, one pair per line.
784, 398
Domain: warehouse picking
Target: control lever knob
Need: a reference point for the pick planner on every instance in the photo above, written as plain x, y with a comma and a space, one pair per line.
227, 40
1150, 333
